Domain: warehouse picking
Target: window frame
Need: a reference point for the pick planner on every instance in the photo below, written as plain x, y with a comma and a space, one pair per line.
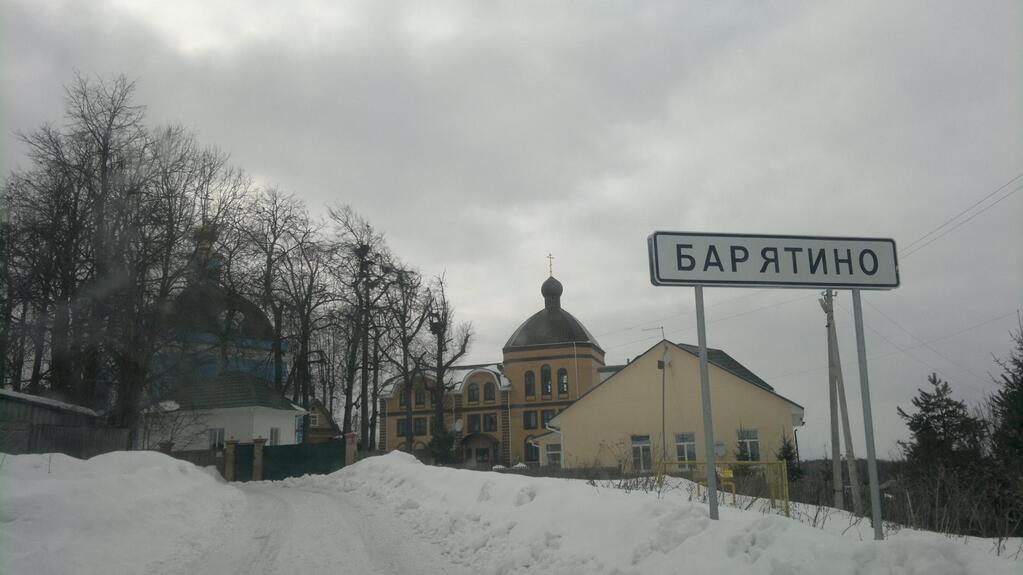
490, 422
687, 442
530, 420
403, 398
419, 426
529, 381
562, 379
641, 447
544, 419
531, 449
546, 386
420, 397
275, 436
473, 393
402, 426
474, 417
216, 437
749, 446
489, 391
555, 450
314, 420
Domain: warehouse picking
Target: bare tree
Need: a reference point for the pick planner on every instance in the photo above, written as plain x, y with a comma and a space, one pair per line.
451, 342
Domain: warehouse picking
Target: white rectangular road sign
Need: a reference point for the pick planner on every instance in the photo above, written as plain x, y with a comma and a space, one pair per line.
747, 260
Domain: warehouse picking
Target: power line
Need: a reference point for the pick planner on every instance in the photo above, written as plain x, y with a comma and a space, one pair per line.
902, 350
922, 342
968, 208
673, 316
718, 320
943, 234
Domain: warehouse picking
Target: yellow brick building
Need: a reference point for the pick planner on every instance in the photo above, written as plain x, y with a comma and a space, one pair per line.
508, 413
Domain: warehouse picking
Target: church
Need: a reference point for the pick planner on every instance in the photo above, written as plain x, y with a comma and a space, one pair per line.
511, 412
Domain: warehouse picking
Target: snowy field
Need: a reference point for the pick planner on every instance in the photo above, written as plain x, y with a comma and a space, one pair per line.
142, 512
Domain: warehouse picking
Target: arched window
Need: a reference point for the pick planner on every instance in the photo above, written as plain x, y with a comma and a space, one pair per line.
530, 384
488, 391
545, 380
474, 393
562, 381
421, 396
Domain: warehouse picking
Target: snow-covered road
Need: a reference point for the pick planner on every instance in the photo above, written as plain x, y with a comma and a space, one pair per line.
296, 530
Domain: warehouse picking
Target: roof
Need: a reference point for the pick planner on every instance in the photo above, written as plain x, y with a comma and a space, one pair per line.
455, 377
552, 324
229, 390
46, 402
716, 357
727, 363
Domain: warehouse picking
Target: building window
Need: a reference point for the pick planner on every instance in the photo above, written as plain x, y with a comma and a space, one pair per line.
314, 420
403, 398
419, 426
546, 416
530, 384
275, 436
749, 445
474, 423
489, 422
545, 380
488, 391
402, 427
532, 451
432, 432
554, 454
420, 397
529, 419
216, 435
562, 381
685, 446
641, 453
483, 456
474, 393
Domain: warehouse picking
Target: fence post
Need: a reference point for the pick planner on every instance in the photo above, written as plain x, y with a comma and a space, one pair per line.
257, 458
350, 448
229, 459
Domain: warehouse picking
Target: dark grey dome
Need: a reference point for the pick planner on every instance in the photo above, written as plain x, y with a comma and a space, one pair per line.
551, 325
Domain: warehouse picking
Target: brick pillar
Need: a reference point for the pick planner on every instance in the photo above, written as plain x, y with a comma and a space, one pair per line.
257, 458
382, 426
505, 429
229, 459
351, 447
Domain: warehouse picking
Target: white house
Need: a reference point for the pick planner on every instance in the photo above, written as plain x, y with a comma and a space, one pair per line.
205, 413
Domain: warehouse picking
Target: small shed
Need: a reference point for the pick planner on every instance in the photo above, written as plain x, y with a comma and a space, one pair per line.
34, 424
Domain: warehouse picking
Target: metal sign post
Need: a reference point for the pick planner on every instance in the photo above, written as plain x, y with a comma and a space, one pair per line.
868, 419
746, 260
708, 427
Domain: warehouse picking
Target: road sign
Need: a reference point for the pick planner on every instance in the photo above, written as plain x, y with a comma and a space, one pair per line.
747, 260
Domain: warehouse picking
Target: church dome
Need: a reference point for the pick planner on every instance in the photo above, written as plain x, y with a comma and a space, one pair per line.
552, 324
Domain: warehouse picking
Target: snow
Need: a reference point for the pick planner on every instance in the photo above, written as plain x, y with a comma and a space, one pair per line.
504, 523
144, 512
48, 402
122, 512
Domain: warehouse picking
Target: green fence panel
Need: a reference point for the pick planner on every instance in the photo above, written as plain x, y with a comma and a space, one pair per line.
283, 461
244, 453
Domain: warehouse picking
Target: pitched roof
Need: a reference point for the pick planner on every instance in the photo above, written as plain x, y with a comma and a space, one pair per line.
727, 363
228, 390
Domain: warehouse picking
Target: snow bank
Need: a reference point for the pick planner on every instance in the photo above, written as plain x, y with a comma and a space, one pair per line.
122, 512
512, 524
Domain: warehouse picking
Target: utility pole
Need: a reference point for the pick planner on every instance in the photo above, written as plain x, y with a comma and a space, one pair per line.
838, 388
662, 365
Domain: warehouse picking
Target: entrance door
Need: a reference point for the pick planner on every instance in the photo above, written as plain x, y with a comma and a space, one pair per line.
482, 456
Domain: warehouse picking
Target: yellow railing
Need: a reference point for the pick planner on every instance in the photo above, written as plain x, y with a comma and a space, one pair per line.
775, 474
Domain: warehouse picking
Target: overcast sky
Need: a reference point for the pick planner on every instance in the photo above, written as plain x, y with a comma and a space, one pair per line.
481, 136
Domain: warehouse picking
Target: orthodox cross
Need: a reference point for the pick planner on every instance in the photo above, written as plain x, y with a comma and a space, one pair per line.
550, 265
